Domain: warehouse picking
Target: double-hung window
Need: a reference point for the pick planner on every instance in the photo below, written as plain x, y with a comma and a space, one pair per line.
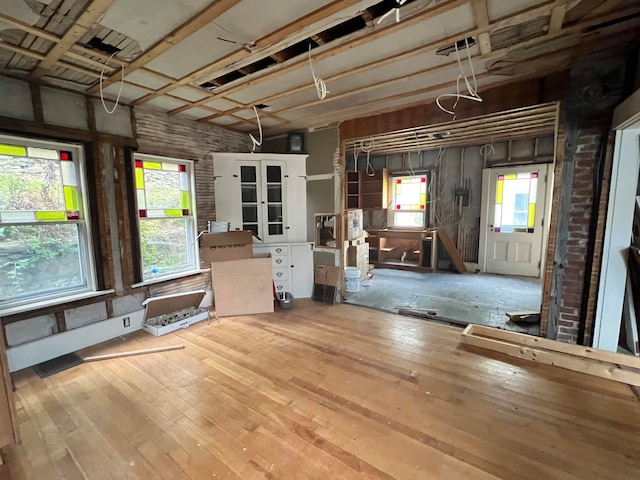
166, 216
409, 201
45, 242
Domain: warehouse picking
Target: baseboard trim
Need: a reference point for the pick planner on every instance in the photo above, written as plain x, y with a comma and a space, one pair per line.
43, 349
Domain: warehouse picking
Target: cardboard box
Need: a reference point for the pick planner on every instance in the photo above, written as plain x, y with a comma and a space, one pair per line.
166, 313
243, 287
220, 247
326, 275
358, 256
353, 223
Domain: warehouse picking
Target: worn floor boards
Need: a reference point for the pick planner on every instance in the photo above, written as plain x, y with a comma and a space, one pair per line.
321, 392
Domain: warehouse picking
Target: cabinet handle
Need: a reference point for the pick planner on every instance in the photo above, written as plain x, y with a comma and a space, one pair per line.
278, 250
279, 287
278, 260
279, 274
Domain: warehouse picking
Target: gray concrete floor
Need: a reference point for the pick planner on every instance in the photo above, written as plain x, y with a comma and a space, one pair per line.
468, 298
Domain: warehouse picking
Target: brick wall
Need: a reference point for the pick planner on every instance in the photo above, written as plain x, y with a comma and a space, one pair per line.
161, 134
594, 91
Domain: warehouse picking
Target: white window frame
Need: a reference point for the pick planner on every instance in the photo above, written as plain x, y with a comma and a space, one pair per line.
86, 248
193, 259
393, 202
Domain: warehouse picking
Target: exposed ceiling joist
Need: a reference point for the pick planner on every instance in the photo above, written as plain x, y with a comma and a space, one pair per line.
91, 15
557, 19
481, 17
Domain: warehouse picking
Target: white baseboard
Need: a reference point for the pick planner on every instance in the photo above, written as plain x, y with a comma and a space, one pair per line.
41, 350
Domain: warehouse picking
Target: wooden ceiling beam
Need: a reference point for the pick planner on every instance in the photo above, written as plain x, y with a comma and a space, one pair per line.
604, 7
557, 19
89, 17
195, 23
444, 42
481, 18
271, 43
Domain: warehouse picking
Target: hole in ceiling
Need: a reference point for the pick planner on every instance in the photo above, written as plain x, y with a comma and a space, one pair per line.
97, 44
461, 44
262, 106
348, 27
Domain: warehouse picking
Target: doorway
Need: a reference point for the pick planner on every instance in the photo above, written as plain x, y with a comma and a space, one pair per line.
515, 202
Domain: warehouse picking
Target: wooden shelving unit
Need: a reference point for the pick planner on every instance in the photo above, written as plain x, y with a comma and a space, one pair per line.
367, 192
353, 189
406, 249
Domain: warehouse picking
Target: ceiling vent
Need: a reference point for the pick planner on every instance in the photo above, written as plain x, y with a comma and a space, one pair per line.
461, 44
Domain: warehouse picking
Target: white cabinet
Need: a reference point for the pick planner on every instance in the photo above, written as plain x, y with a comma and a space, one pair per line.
292, 265
262, 192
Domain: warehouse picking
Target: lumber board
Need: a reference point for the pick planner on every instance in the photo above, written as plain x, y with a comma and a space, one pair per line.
108, 356
554, 346
570, 357
451, 250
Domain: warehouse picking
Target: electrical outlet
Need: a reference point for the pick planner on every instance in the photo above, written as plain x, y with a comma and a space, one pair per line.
126, 322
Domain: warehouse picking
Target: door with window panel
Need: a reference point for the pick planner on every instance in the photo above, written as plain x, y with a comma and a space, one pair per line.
513, 210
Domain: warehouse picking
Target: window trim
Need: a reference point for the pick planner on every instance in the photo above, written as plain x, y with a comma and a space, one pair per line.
192, 232
87, 249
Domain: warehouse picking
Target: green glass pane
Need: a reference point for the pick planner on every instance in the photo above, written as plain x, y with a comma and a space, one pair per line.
185, 200
71, 198
139, 178
173, 212
51, 216
13, 150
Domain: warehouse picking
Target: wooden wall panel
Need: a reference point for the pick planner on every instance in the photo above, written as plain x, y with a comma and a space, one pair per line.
517, 94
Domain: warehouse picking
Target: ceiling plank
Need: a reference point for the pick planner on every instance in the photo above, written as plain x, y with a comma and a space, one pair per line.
481, 18
40, 57
269, 43
89, 17
195, 23
604, 7
325, 51
557, 19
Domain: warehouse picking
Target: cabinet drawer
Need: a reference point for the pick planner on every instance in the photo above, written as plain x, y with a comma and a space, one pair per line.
282, 286
281, 274
279, 261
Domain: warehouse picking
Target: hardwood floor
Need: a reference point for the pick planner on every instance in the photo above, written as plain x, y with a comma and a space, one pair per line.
321, 392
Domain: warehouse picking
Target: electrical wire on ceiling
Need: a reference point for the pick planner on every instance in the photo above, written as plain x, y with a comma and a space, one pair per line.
395, 10
255, 142
104, 105
321, 87
368, 148
471, 90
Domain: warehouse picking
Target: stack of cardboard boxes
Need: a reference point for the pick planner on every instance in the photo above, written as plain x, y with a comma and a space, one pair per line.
356, 247
242, 282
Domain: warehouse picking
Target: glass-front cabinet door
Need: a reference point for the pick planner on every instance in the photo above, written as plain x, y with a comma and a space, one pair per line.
274, 212
250, 197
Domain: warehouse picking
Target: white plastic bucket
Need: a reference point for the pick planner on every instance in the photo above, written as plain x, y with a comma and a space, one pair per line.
351, 279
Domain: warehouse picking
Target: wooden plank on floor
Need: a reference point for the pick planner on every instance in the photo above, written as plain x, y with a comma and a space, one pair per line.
599, 363
451, 249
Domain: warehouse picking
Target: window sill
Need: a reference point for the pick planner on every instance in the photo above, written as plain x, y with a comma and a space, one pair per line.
171, 277
5, 312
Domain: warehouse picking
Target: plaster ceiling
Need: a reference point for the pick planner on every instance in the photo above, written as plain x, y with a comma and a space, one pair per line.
212, 61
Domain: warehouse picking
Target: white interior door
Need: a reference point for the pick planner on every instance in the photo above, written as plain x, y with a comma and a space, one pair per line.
512, 219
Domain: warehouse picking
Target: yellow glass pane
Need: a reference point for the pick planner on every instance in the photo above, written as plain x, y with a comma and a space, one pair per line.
13, 150
139, 178
152, 165
184, 200
532, 215
499, 190
173, 212
71, 198
423, 198
50, 216
511, 176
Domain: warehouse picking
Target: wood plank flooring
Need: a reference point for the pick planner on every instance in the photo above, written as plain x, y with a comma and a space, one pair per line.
321, 392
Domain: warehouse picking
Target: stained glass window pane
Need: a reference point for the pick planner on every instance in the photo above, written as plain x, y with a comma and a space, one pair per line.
30, 184
514, 210
162, 189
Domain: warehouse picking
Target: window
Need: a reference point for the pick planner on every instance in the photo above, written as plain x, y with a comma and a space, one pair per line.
515, 207
409, 201
166, 216
45, 246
